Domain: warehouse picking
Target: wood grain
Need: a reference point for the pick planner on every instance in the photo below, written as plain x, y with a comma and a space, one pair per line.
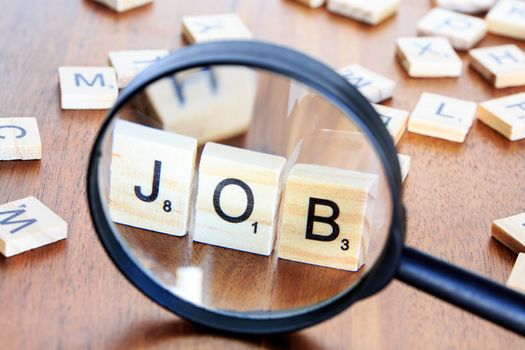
69, 295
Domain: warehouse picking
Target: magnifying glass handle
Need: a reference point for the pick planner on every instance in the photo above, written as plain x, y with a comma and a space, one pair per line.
476, 294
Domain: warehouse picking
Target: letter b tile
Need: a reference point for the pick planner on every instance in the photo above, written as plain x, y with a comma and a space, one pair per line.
326, 216
237, 199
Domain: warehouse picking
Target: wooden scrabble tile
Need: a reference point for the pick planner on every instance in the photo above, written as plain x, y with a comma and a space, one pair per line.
511, 232
375, 87
466, 6
87, 87
428, 57
128, 64
503, 65
462, 31
442, 117
196, 29
395, 120
312, 3
404, 163
123, 5
151, 180
237, 199
506, 115
517, 276
19, 139
507, 18
27, 224
326, 216
209, 104
368, 11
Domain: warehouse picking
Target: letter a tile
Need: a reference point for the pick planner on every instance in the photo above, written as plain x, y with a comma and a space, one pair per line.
326, 216
237, 198
151, 178
87, 87
27, 224
19, 139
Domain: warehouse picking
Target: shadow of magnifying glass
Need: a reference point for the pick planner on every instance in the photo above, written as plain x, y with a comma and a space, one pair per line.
184, 335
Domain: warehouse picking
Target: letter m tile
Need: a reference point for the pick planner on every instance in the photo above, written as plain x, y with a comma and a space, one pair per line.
80, 79
9, 217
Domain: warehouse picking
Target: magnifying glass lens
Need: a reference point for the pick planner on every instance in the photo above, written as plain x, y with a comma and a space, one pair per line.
241, 190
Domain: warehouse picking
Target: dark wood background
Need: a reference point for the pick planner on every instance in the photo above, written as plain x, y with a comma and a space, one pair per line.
69, 295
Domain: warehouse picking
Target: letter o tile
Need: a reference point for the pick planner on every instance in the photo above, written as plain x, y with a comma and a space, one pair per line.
237, 198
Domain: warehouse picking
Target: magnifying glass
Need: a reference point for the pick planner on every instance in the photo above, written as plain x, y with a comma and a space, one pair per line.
249, 188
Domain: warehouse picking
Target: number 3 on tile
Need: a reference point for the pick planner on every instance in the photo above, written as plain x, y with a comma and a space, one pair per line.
344, 244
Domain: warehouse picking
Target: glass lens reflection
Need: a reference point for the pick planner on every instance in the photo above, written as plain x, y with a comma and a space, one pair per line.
243, 190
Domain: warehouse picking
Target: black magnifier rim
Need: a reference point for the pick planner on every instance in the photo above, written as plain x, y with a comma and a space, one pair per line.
302, 68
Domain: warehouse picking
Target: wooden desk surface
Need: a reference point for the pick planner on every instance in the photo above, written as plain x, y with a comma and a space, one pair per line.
69, 295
